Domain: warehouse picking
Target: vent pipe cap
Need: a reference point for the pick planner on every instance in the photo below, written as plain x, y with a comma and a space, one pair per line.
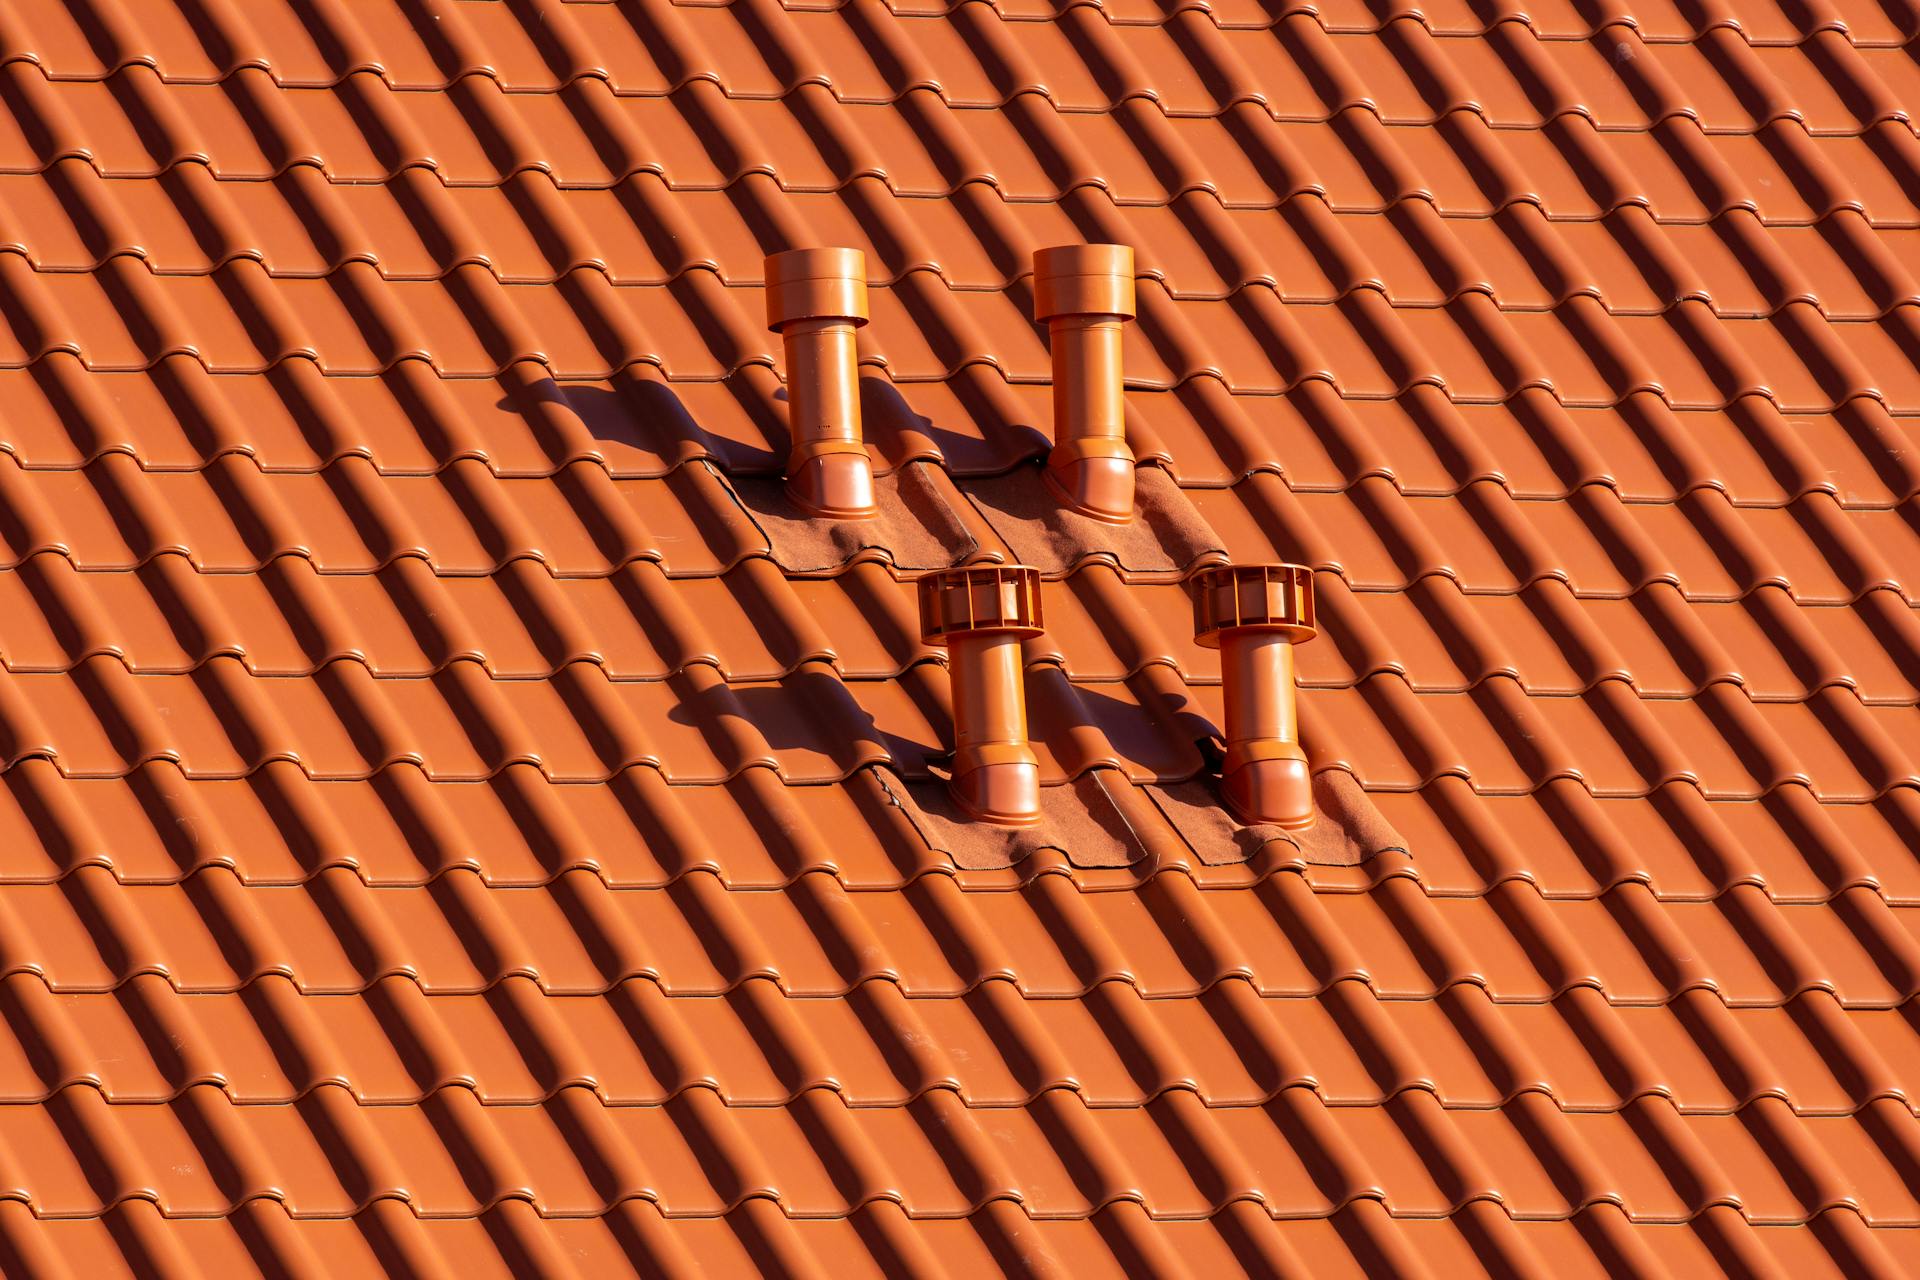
816, 284
988, 599
1083, 279
1253, 597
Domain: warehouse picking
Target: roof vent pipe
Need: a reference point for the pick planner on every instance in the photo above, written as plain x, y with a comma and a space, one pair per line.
816, 298
980, 614
1084, 293
1255, 614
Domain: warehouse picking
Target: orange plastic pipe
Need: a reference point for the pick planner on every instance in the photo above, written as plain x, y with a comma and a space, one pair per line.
996, 776
981, 613
816, 299
1254, 614
1265, 774
1085, 294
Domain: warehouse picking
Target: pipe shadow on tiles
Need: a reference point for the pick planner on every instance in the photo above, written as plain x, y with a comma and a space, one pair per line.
810, 710
1162, 731
993, 444
654, 421
815, 711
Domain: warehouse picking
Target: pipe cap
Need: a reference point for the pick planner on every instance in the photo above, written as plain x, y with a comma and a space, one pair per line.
816, 284
980, 600
1083, 279
1259, 597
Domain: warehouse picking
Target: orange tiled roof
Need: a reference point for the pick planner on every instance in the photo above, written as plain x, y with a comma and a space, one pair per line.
453, 822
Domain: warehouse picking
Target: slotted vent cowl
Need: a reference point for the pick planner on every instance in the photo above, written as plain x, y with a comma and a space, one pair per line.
1255, 614
986, 598
981, 613
1271, 597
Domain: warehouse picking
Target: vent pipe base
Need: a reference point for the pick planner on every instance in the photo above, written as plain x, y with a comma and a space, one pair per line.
1094, 477
1274, 791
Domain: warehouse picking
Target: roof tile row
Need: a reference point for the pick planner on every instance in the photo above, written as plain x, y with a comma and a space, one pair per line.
1194, 252
1093, 63
751, 624
100, 720
939, 939
469, 325
879, 1239
1571, 170
518, 828
326, 1155
177, 416
392, 1045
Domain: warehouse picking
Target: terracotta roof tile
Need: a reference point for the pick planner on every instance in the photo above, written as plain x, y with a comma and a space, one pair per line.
449, 822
